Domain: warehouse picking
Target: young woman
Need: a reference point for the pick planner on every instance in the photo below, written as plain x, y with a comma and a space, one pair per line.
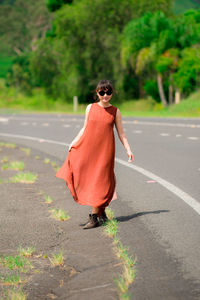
89, 167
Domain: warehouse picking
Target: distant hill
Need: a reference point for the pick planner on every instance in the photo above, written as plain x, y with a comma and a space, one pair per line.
183, 5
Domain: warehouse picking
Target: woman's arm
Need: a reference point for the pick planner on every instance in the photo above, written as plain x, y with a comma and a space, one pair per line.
82, 130
122, 136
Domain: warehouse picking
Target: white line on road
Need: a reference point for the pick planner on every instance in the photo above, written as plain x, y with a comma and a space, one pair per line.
137, 131
194, 138
193, 203
164, 134
161, 124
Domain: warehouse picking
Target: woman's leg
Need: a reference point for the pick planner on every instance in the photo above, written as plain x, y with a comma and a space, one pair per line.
96, 210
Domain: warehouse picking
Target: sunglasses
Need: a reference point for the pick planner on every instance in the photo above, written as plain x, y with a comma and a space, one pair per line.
102, 93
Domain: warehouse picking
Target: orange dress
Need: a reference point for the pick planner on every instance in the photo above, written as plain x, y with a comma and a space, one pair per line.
89, 167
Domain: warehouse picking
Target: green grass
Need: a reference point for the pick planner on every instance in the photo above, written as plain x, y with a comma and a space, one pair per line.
12, 279
26, 252
12, 100
8, 145
47, 161
4, 159
57, 259
13, 165
111, 228
15, 262
124, 280
26, 150
59, 214
48, 199
23, 177
16, 295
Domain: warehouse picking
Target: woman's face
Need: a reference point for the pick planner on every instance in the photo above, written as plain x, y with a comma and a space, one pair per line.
103, 96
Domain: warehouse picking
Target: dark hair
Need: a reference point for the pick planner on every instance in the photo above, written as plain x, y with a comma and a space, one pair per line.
103, 85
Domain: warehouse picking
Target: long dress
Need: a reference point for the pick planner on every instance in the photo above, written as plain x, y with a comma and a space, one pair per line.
88, 169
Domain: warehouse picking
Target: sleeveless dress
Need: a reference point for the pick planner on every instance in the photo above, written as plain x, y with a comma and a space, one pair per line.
89, 166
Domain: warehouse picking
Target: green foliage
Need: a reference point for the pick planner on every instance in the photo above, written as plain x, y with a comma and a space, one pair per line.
22, 24
187, 76
5, 65
54, 5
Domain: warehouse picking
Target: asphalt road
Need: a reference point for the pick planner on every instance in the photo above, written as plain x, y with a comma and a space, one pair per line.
158, 202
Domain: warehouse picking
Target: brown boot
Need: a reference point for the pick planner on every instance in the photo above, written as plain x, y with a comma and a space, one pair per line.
103, 218
92, 222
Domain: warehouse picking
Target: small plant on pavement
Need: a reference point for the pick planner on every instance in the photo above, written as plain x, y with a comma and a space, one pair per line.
57, 259
59, 214
13, 165
111, 228
4, 159
23, 177
16, 295
48, 199
8, 145
15, 262
26, 150
12, 279
27, 252
46, 160
128, 276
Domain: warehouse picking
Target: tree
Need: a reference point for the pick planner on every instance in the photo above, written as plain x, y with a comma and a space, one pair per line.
22, 24
54, 5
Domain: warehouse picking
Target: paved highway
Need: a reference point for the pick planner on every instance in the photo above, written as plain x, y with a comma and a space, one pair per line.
158, 202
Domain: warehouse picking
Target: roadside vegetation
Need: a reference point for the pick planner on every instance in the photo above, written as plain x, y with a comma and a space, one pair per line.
127, 277
150, 53
20, 103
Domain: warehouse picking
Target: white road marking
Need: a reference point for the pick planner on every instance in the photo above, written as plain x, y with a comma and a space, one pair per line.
164, 134
178, 135
194, 138
24, 123
193, 203
66, 125
4, 120
45, 124
137, 131
162, 124
34, 123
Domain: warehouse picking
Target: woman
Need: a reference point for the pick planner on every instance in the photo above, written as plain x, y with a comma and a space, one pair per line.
89, 167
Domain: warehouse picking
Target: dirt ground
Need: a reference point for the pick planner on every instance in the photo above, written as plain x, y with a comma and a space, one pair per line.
89, 265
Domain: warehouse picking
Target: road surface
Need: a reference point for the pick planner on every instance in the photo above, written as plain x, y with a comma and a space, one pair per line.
158, 202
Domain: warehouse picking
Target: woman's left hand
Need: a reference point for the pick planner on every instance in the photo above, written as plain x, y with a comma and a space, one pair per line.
130, 156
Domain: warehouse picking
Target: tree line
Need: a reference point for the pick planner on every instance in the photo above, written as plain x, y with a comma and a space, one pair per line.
140, 45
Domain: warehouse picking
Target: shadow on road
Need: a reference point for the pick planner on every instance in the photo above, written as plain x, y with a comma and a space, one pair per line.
129, 217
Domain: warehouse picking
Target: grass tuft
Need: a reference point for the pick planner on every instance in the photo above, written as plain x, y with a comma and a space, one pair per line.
37, 157
109, 213
57, 259
13, 165
26, 150
111, 228
16, 295
22, 177
4, 159
59, 214
15, 262
8, 145
27, 252
47, 161
48, 199
12, 279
